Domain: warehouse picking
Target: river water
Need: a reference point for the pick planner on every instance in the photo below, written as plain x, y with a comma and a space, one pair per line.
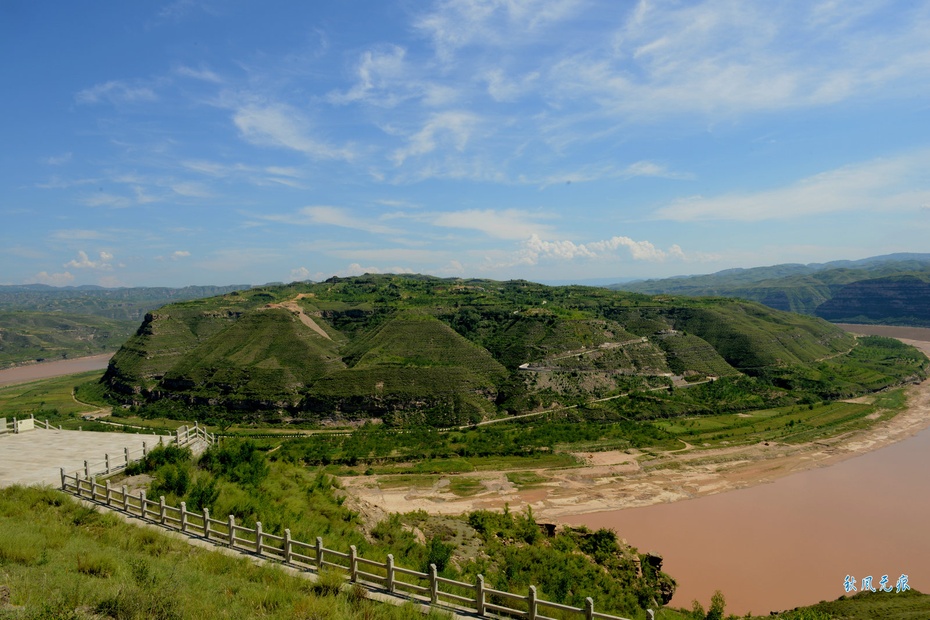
46, 370
792, 542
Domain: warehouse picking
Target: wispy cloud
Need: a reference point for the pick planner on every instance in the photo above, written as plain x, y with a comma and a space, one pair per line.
455, 24
279, 125
116, 91
58, 160
536, 248
884, 184
202, 74
324, 215
452, 128
506, 224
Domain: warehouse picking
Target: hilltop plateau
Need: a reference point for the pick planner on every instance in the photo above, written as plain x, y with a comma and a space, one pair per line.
419, 349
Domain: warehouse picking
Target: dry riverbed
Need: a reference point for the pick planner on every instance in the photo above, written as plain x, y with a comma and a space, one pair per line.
626, 479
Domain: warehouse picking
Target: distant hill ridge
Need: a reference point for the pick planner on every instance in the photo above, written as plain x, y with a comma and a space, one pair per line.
893, 289
420, 349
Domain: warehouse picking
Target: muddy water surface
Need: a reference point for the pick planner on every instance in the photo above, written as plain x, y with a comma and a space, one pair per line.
791, 542
45, 370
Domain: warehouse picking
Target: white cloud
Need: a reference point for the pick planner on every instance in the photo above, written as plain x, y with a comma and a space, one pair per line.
58, 160
104, 199
332, 216
506, 224
454, 24
885, 184
78, 234
52, 279
300, 273
721, 57
83, 261
450, 129
279, 125
591, 173
202, 74
115, 91
535, 249
179, 254
191, 189
379, 74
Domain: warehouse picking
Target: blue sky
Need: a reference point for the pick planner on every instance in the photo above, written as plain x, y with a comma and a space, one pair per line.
217, 142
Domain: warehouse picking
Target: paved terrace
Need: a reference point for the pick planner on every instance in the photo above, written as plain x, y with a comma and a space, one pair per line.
34, 457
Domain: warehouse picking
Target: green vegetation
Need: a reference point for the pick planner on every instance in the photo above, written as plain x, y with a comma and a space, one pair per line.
62, 560
417, 350
246, 480
908, 605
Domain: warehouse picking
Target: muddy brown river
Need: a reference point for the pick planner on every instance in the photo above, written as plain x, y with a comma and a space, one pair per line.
46, 370
792, 542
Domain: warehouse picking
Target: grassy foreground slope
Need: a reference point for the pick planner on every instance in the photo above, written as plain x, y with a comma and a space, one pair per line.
419, 349
63, 561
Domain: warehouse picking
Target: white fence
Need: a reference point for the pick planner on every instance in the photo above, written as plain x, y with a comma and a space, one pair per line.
474, 597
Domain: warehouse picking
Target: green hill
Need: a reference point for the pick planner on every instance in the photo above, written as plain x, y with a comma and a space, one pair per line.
419, 349
890, 290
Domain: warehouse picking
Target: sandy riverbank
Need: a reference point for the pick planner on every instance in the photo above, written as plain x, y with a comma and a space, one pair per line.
617, 479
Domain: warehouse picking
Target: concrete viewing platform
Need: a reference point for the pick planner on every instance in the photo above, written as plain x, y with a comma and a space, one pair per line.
35, 457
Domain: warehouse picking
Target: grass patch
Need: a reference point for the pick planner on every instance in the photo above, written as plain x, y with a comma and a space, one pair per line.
526, 479
465, 486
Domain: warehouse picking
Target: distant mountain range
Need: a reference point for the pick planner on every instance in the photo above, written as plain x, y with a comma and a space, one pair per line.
891, 290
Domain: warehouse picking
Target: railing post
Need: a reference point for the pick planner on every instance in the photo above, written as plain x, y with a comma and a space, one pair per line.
86, 469
184, 517
109, 492
258, 537
106, 460
433, 585
15, 426
142, 503
353, 563
287, 546
126, 455
319, 553
93, 488
162, 512
479, 595
232, 531
389, 580
206, 523
62, 469
589, 608
145, 449
125, 499
531, 602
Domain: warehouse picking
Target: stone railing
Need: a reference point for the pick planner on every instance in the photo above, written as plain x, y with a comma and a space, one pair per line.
21, 426
115, 463
429, 587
